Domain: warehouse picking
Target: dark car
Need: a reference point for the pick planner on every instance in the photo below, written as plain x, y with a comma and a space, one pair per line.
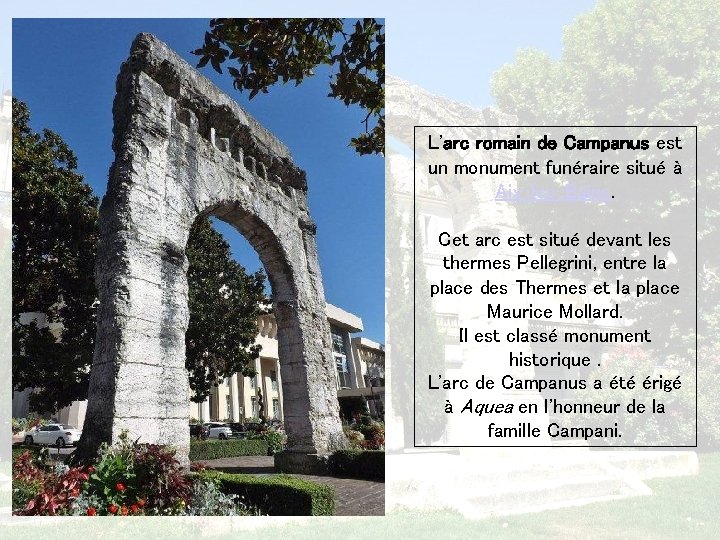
238, 429
199, 431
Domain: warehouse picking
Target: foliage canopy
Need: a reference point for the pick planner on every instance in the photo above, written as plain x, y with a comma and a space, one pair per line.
268, 51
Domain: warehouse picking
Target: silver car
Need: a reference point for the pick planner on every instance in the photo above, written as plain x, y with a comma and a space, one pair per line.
218, 430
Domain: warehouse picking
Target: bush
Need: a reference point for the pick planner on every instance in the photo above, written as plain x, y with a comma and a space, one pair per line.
355, 438
21, 449
374, 433
23, 492
361, 464
280, 495
215, 449
275, 440
30, 421
39, 489
133, 478
57, 493
208, 500
352, 407
129, 478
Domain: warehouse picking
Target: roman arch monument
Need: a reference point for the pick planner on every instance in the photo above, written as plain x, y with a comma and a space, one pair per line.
184, 149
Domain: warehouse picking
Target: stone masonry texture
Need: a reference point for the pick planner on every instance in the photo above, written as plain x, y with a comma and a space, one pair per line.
184, 149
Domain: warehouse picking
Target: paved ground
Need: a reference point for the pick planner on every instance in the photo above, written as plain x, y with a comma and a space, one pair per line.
352, 497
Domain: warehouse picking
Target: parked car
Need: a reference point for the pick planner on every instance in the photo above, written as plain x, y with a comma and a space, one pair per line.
218, 430
199, 431
238, 429
54, 435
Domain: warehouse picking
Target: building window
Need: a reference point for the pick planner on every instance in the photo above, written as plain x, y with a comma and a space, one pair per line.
255, 409
276, 409
228, 406
342, 371
341, 364
338, 341
375, 376
273, 380
253, 381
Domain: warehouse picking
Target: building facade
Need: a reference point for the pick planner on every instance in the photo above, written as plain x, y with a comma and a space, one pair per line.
359, 370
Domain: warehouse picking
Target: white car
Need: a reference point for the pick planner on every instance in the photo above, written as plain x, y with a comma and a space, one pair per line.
54, 435
218, 430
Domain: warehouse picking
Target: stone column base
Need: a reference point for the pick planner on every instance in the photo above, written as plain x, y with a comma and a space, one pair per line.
301, 463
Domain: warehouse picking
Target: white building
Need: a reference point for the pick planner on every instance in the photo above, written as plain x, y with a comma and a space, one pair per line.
359, 363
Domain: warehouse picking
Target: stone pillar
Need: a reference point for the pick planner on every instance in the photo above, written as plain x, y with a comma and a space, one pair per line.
234, 397
280, 392
205, 410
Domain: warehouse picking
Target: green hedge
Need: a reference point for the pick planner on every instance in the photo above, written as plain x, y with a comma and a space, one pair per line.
279, 495
361, 464
215, 449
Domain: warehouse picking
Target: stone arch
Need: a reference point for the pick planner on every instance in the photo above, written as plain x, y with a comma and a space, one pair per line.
182, 149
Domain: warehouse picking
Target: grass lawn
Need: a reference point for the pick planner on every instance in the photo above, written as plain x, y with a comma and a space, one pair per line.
684, 507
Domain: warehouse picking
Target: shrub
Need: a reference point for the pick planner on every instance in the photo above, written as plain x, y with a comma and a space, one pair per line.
133, 478
39, 489
138, 479
112, 470
23, 492
197, 467
207, 500
215, 449
275, 440
280, 495
361, 464
57, 494
374, 433
159, 475
28, 478
28, 466
31, 421
35, 451
353, 407
86, 504
355, 438
128, 479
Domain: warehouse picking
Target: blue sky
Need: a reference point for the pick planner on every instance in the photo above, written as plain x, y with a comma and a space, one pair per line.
453, 48
65, 71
